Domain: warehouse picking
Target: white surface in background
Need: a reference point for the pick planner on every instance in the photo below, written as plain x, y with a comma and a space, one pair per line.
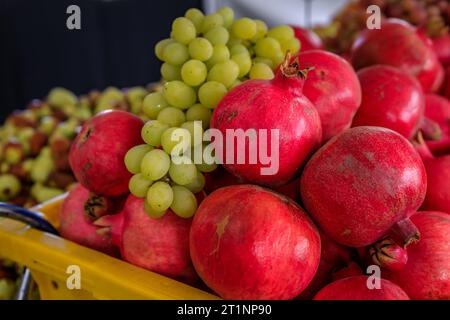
276, 12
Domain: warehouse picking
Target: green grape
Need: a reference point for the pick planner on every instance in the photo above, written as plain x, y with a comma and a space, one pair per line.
210, 22
183, 172
200, 49
244, 62
225, 72
261, 30
210, 93
244, 28
175, 137
170, 72
235, 84
234, 41
194, 72
48, 124
41, 193
238, 48
153, 213
159, 48
265, 61
183, 30
179, 95
155, 164
228, 16
205, 167
42, 167
201, 162
175, 54
220, 53
160, 196
152, 131
268, 48
171, 116
281, 33
217, 36
196, 16
139, 185
184, 202
9, 187
198, 184
136, 94
60, 97
292, 45
261, 71
195, 130
199, 113
153, 103
133, 157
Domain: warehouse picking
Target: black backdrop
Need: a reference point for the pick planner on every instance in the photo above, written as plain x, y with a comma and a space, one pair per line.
113, 47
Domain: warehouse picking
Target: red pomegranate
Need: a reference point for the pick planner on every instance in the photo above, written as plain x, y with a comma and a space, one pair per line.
309, 39
250, 243
441, 46
436, 125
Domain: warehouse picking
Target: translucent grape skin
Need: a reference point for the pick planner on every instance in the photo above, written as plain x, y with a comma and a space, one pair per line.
261, 30
196, 16
179, 95
225, 72
292, 45
210, 93
183, 173
134, 157
153, 213
155, 164
220, 53
217, 36
198, 184
171, 116
139, 185
175, 136
194, 72
281, 33
153, 103
199, 113
239, 48
183, 30
228, 16
244, 28
152, 131
170, 72
184, 202
210, 22
159, 196
267, 48
159, 48
175, 54
200, 49
261, 71
244, 63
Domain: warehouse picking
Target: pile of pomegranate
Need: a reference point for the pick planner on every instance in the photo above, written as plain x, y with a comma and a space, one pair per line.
358, 209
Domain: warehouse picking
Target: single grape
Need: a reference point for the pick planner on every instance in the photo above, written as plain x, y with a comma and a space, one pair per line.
261, 71
183, 173
244, 28
175, 54
210, 22
152, 131
281, 33
139, 185
220, 53
175, 137
155, 164
194, 72
184, 202
217, 36
153, 103
179, 95
200, 49
153, 213
292, 45
134, 157
244, 62
183, 30
261, 30
225, 72
170, 72
235, 84
195, 130
159, 48
199, 113
196, 16
61, 97
205, 167
238, 48
198, 184
171, 116
228, 16
9, 187
268, 48
210, 93
265, 61
160, 196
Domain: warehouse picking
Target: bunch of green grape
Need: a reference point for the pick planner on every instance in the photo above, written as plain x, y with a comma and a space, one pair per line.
204, 58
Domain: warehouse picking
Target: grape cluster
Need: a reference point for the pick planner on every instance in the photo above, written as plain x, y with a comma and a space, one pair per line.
204, 58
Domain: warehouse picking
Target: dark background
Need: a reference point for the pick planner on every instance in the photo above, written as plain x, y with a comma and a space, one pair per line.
113, 47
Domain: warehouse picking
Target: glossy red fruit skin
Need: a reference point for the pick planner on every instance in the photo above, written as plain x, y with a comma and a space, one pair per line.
333, 88
76, 226
97, 153
355, 288
437, 109
362, 183
398, 44
391, 98
446, 86
441, 46
250, 243
427, 273
309, 39
272, 105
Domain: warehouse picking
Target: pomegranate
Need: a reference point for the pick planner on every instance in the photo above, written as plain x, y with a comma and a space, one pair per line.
391, 98
277, 108
351, 270
333, 87
427, 272
97, 153
398, 44
389, 255
309, 39
356, 288
441, 46
446, 86
363, 184
75, 225
438, 175
160, 245
250, 243
436, 125
290, 189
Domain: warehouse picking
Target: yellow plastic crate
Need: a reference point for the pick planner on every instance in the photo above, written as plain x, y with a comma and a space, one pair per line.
102, 277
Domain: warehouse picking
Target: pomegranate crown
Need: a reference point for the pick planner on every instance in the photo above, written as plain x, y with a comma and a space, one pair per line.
292, 69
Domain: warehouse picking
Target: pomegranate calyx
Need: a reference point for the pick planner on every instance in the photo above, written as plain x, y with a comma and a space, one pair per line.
404, 233
430, 129
291, 69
